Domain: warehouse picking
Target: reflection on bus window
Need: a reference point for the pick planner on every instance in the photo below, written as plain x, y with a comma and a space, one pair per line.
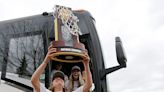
24, 56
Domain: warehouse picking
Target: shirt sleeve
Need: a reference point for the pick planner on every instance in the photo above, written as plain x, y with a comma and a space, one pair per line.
43, 88
92, 87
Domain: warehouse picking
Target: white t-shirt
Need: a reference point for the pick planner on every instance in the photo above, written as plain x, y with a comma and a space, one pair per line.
44, 89
75, 85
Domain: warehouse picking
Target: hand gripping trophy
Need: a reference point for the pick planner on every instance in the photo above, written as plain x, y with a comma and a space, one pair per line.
66, 36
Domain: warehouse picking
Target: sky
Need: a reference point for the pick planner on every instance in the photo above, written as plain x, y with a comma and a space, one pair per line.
139, 23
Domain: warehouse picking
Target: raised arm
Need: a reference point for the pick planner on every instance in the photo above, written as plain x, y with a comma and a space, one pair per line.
88, 80
36, 75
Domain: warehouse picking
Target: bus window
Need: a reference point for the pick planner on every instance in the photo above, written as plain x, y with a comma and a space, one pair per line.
25, 54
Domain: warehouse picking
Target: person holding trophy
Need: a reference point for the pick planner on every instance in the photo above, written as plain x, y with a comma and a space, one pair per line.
65, 47
58, 77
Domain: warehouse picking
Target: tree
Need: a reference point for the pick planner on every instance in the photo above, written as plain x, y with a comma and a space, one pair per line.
22, 69
25, 51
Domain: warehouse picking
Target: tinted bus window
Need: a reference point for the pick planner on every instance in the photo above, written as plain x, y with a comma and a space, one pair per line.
24, 56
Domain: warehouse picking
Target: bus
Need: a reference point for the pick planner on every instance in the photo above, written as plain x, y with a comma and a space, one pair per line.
24, 43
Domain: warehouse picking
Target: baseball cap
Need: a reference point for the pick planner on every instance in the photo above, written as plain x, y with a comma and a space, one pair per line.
58, 74
76, 68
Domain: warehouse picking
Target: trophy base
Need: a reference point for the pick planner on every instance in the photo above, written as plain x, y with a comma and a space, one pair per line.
68, 57
68, 54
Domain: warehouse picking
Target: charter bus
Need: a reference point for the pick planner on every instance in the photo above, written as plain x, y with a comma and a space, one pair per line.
24, 43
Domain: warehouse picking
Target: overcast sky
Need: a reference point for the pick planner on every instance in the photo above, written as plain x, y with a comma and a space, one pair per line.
139, 23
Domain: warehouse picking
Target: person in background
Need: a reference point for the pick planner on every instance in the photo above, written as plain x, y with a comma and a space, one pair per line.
58, 79
58, 67
75, 79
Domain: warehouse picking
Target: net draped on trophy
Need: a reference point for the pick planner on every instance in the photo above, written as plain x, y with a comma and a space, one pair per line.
66, 36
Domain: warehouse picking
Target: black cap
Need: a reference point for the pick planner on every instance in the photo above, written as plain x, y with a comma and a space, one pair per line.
76, 68
58, 74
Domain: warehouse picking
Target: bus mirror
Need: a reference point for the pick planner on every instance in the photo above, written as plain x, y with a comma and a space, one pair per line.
121, 57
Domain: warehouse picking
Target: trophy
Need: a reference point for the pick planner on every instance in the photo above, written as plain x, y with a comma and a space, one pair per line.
66, 36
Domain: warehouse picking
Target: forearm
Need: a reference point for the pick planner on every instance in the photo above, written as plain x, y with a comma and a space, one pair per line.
36, 75
88, 82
